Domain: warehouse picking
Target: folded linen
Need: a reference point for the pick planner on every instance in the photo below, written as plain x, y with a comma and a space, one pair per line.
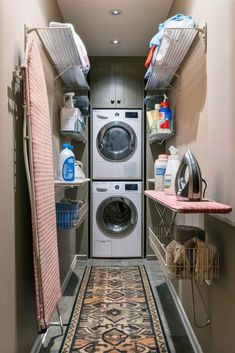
193, 259
79, 43
176, 21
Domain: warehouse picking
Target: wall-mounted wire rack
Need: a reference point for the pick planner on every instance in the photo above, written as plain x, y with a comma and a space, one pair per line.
71, 184
79, 136
191, 262
61, 47
174, 46
159, 137
72, 215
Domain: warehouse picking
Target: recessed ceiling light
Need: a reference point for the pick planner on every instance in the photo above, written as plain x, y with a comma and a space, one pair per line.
115, 41
115, 12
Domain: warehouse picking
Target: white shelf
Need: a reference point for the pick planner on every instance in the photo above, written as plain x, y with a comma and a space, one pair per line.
160, 136
61, 46
78, 182
175, 44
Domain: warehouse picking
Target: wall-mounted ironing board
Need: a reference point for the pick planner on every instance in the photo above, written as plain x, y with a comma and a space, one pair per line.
40, 176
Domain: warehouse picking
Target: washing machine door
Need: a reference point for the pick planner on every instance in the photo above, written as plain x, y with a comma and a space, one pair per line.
116, 141
116, 216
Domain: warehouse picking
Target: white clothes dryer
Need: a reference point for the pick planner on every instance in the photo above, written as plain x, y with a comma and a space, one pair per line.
116, 140
116, 219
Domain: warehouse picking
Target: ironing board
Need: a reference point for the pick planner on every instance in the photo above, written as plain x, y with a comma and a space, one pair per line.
40, 176
203, 206
164, 202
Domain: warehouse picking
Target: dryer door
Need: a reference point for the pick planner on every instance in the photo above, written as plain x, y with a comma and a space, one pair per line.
116, 141
116, 216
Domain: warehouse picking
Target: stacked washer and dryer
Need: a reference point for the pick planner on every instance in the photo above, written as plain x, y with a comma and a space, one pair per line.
116, 187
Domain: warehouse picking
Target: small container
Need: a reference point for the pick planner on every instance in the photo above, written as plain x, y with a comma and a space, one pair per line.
171, 171
155, 123
159, 172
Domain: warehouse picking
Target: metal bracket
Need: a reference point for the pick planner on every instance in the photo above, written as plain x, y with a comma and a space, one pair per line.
60, 322
203, 30
208, 321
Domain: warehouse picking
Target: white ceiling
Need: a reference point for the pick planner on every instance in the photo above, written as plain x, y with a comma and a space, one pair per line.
134, 28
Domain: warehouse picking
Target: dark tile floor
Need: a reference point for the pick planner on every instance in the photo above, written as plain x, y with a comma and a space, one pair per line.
176, 336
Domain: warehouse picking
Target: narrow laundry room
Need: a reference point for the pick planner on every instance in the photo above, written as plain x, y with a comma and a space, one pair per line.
117, 135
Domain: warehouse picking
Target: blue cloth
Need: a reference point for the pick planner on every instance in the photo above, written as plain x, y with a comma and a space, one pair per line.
187, 22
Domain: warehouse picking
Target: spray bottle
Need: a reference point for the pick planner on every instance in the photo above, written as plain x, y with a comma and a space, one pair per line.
171, 170
165, 117
69, 115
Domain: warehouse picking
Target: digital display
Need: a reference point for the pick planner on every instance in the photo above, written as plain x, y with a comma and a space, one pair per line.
132, 115
131, 187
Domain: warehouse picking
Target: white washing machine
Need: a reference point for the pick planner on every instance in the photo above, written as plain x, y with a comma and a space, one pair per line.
116, 139
116, 219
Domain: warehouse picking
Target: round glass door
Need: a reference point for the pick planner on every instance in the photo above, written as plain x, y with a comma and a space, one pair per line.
116, 141
116, 216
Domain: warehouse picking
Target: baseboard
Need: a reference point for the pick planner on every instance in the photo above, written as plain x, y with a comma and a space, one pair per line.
187, 325
65, 282
81, 257
37, 344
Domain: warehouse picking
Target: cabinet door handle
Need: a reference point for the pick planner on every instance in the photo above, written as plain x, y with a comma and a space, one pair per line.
112, 101
118, 101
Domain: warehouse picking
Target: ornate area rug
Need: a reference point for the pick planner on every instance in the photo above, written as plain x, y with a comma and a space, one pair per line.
115, 312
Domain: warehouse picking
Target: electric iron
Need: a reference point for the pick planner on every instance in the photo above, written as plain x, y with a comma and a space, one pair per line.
188, 180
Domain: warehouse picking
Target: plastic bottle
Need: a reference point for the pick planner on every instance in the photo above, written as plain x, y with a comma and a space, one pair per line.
69, 115
165, 117
67, 163
171, 170
68, 100
154, 126
159, 171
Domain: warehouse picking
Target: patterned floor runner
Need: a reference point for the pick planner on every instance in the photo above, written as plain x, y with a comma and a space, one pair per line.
115, 312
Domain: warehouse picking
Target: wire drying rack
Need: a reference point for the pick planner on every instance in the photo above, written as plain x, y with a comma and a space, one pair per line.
61, 47
174, 46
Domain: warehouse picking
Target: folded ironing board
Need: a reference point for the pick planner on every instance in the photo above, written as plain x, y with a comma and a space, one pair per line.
39, 169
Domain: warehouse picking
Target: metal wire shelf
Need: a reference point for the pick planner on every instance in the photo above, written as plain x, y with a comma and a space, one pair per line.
201, 264
72, 216
175, 44
61, 47
75, 136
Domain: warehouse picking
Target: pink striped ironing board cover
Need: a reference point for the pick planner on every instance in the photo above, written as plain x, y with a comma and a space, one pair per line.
45, 247
203, 206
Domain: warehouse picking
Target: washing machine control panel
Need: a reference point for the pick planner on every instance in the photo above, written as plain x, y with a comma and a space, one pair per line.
116, 187
124, 187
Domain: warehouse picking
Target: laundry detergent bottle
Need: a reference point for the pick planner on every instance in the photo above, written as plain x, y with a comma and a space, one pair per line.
159, 171
171, 170
165, 117
67, 163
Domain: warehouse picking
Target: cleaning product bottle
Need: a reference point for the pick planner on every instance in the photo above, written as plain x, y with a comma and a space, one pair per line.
165, 117
69, 115
159, 171
67, 163
154, 126
171, 170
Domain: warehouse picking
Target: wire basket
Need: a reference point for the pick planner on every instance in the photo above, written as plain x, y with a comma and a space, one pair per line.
67, 214
194, 259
